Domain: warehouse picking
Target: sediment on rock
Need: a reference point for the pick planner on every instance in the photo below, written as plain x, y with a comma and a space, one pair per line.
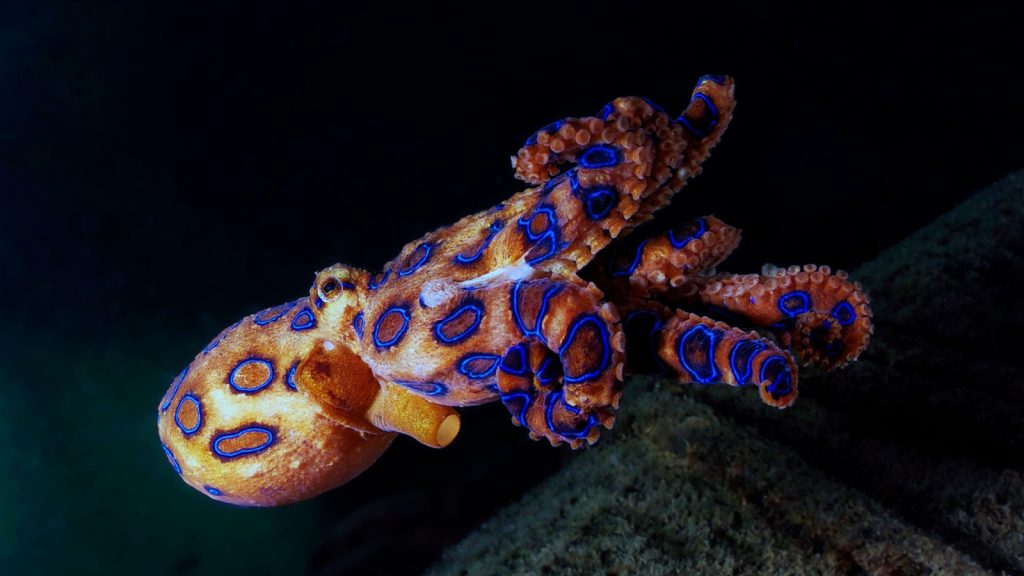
908, 462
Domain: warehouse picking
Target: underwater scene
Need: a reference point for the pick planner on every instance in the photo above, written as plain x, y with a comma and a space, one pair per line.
332, 288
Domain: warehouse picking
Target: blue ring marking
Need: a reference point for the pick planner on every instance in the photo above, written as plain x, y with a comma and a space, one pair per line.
212, 490
711, 123
213, 344
258, 387
794, 303
304, 320
358, 325
199, 413
427, 249
541, 312
787, 380
520, 350
606, 354
515, 308
477, 373
844, 313
600, 201
600, 156
346, 285
425, 388
699, 331
401, 331
542, 373
174, 388
677, 243
275, 313
549, 408
553, 127
711, 106
606, 111
496, 227
474, 308
549, 235
242, 452
289, 379
171, 458
569, 407
632, 267
374, 283
550, 242
574, 180
528, 224
713, 78
527, 400
747, 351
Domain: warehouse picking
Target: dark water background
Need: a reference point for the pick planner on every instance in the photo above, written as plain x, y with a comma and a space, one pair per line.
166, 168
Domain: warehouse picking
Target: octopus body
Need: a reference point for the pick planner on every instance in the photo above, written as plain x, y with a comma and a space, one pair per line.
521, 304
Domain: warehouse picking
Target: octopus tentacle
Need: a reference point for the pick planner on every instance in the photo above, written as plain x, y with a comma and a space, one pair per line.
563, 382
625, 164
647, 267
704, 120
684, 142
702, 351
822, 316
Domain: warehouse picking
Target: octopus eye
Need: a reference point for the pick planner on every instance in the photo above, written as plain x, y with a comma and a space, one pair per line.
329, 289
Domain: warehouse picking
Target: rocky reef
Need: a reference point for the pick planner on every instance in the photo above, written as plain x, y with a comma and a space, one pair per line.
908, 462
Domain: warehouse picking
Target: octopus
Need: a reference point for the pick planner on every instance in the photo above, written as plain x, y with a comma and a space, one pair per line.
544, 302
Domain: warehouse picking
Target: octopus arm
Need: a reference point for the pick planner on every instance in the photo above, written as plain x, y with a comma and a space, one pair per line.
702, 351
822, 316
563, 380
604, 174
661, 265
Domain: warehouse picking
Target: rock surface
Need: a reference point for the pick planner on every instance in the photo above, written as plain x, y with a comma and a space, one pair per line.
908, 462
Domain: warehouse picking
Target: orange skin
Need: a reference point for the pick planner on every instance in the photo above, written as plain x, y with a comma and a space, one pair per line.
300, 398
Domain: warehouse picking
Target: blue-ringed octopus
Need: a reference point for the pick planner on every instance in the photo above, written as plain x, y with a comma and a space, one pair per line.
543, 302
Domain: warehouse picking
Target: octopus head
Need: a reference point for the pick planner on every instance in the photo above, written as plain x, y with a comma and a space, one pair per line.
279, 407
272, 411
